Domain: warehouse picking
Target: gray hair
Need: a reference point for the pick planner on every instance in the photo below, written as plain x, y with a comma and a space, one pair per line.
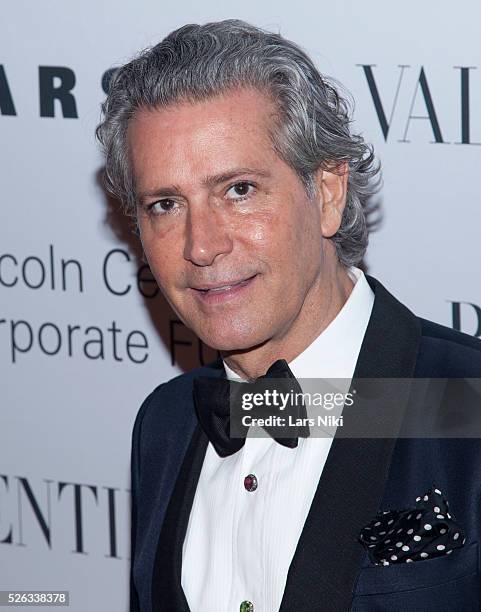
196, 62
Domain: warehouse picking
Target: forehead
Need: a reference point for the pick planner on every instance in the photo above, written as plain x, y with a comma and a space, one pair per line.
186, 140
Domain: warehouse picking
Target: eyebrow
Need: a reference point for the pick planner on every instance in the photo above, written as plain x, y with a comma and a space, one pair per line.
211, 180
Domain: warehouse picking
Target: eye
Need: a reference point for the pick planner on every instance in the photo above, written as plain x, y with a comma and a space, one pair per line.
161, 207
241, 190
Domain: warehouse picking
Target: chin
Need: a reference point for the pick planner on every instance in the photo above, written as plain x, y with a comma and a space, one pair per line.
230, 339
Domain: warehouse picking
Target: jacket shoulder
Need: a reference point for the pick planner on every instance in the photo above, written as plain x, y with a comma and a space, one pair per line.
170, 403
445, 352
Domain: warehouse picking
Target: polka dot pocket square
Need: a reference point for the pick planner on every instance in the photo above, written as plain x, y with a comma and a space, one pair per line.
415, 534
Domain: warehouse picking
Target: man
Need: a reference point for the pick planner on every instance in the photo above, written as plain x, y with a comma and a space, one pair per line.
250, 195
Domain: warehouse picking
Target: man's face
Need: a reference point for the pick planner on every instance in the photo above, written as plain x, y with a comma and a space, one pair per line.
218, 207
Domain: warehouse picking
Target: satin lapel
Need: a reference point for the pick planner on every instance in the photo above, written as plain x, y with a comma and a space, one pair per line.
167, 592
166, 588
328, 556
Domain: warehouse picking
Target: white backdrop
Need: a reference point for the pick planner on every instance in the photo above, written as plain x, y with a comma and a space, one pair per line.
76, 357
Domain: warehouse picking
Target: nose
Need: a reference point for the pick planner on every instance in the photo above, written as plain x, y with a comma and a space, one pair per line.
206, 235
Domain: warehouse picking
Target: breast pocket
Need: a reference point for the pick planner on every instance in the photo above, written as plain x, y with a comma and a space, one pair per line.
442, 584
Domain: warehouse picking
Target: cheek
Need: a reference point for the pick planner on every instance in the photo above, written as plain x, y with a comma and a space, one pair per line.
264, 241
258, 232
277, 238
161, 254
301, 246
293, 233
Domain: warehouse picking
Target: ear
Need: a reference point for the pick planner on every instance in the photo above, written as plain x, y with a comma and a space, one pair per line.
332, 190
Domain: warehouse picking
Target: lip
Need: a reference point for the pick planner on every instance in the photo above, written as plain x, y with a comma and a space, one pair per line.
215, 295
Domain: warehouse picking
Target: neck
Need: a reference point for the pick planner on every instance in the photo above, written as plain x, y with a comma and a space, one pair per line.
324, 300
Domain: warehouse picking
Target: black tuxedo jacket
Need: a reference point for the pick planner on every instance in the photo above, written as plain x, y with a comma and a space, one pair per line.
330, 570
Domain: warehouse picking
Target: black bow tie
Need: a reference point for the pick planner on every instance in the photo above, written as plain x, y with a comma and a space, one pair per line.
214, 405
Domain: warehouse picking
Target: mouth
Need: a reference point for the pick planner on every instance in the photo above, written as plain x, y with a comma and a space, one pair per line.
220, 293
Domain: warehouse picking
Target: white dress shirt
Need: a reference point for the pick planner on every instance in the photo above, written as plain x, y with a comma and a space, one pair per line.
239, 544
